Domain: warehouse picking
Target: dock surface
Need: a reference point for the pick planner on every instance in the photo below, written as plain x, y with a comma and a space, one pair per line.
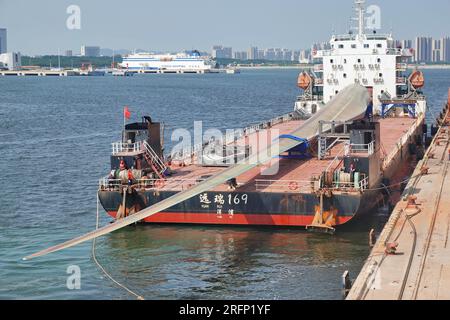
411, 259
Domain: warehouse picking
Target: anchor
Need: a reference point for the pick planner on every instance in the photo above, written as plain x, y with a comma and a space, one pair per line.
323, 220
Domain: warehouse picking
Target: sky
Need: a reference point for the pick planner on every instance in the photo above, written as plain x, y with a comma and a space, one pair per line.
39, 26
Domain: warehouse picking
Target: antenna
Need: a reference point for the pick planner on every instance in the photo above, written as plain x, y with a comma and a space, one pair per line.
360, 10
59, 60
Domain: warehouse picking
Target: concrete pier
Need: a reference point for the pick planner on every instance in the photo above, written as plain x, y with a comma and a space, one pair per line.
38, 73
67, 73
411, 259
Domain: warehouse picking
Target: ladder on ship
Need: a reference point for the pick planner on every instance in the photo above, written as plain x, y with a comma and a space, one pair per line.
155, 162
323, 150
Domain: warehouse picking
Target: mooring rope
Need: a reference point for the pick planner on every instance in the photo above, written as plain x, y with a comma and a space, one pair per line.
138, 297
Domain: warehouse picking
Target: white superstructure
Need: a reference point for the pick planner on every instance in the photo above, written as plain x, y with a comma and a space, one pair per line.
371, 60
189, 61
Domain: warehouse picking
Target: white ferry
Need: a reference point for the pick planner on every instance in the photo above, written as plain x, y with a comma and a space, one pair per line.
186, 61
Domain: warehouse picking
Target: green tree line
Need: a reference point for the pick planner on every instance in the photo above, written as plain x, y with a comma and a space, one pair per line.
69, 62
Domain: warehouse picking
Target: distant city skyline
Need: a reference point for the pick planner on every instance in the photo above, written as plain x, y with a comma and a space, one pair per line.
39, 27
424, 49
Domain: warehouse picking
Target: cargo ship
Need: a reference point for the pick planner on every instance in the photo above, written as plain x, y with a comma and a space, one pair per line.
340, 166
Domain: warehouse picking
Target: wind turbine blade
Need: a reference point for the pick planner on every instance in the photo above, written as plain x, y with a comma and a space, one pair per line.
349, 104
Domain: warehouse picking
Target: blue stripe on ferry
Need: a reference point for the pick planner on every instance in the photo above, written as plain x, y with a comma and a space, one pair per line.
185, 60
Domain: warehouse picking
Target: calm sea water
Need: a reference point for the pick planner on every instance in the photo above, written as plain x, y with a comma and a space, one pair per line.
55, 136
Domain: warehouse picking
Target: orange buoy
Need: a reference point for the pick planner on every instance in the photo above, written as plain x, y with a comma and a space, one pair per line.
417, 79
293, 186
160, 183
304, 80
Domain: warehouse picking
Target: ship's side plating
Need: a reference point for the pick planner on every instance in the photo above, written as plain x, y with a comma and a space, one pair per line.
337, 196
237, 208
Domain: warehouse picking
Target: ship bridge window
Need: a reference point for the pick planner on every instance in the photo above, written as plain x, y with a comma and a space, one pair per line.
366, 46
341, 46
379, 45
353, 46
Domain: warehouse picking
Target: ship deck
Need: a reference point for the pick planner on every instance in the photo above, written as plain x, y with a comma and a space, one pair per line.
289, 175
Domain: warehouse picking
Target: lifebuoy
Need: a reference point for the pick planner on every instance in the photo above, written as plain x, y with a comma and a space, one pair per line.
293, 186
159, 183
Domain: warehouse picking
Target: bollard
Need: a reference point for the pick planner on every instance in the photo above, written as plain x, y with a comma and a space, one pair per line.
372, 238
391, 248
346, 284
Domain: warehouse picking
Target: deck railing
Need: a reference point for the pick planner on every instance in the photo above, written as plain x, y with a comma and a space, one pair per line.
190, 153
119, 147
106, 183
361, 185
360, 148
285, 185
168, 184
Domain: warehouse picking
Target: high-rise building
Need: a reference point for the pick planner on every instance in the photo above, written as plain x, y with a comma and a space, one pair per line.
423, 49
90, 51
3, 41
278, 54
240, 55
445, 49
261, 54
436, 51
406, 44
295, 57
222, 52
252, 53
287, 55
269, 54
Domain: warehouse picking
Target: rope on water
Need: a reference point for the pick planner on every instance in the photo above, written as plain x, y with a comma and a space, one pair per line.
138, 297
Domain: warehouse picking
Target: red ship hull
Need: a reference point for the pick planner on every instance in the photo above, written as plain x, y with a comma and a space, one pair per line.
236, 219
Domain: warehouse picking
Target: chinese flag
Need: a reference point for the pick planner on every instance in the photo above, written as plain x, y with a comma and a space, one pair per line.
126, 113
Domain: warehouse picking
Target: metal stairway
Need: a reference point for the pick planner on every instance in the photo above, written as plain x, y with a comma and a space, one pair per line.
322, 148
155, 162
